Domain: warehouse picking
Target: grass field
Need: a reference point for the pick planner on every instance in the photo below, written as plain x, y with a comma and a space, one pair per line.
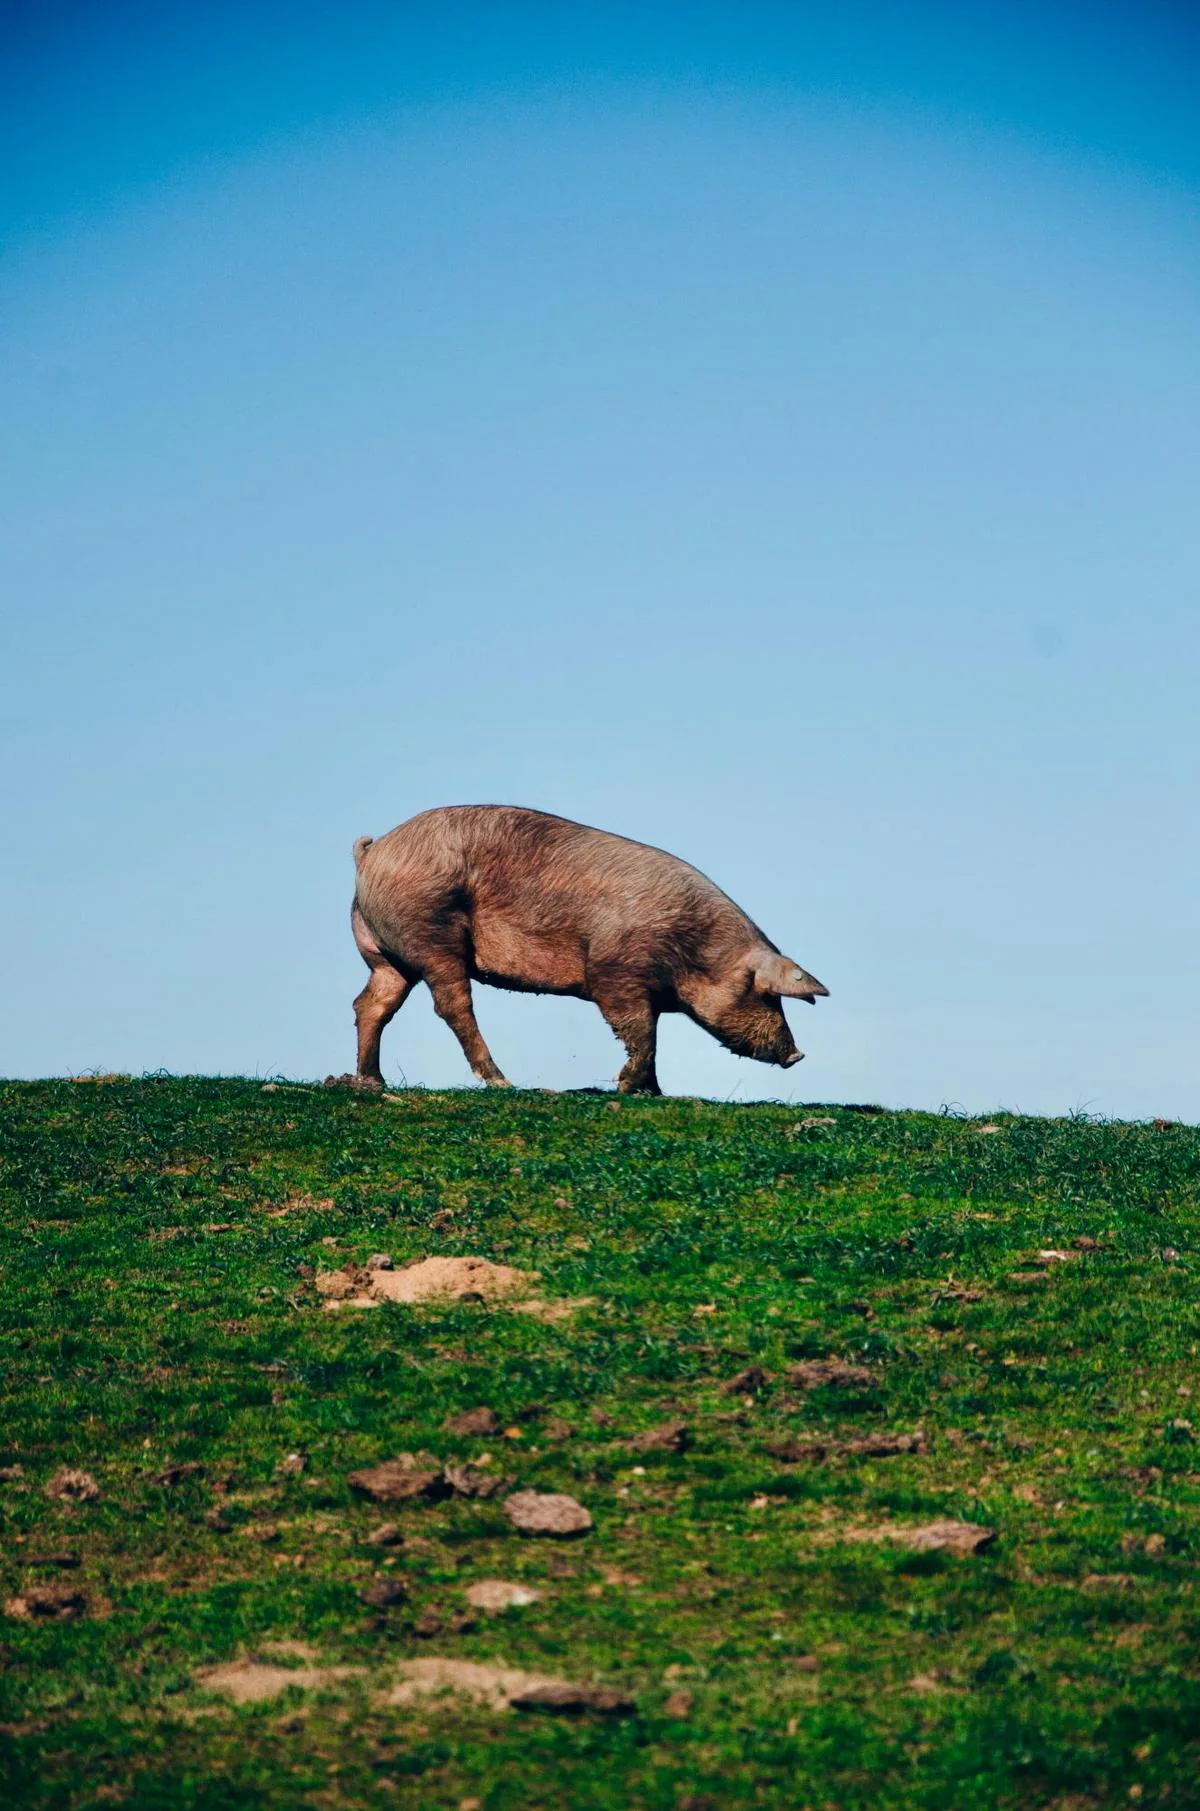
160, 1242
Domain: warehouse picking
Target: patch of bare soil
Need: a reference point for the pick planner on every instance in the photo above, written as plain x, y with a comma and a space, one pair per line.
440, 1279
929, 1537
70, 1486
500, 1687
473, 1421
816, 1373
494, 1595
301, 1204
670, 1437
872, 1446
401, 1480
47, 1603
254, 1681
563, 1699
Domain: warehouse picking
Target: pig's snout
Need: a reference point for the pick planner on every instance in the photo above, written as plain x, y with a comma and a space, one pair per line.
797, 1056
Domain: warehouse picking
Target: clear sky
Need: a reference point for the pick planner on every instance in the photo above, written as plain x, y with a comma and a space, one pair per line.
769, 435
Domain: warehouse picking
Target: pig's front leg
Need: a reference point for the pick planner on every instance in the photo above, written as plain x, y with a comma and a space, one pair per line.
635, 1021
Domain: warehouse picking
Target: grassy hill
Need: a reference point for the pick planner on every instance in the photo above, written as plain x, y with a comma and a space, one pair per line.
759, 1595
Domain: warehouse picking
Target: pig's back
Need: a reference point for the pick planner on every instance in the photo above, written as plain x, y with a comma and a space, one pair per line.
547, 875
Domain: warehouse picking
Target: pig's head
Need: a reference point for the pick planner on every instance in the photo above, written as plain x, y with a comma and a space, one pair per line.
742, 1006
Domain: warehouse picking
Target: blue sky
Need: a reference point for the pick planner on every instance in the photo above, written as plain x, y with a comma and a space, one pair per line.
771, 438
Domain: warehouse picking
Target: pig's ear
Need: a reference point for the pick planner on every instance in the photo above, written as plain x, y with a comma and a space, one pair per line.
775, 974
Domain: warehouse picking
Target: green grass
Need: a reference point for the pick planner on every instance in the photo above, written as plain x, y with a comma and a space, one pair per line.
154, 1310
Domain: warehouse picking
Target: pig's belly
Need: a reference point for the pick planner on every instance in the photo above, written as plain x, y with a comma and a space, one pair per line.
507, 956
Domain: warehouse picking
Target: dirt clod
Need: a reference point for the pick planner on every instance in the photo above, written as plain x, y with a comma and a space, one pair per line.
816, 1373
747, 1383
438, 1676
291, 1465
379, 1260
494, 1595
794, 1451
387, 1534
70, 1486
383, 1591
401, 1480
669, 1437
449, 1278
563, 1699
178, 1474
254, 1681
472, 1421
47, 1603
679, 1704
930, 1537
547, 1513
474, 1480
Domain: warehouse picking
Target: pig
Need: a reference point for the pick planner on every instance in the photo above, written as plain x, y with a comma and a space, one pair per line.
534, 903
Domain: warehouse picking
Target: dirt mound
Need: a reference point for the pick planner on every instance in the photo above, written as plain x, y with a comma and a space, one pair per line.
428, 1280
930, 1537
253, 1681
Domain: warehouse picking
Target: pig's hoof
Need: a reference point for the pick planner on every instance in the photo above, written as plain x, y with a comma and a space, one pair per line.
497, 1081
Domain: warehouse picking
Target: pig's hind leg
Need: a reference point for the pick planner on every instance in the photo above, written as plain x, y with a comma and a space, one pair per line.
632, 1016
451, 990
375, 1007
377, 1004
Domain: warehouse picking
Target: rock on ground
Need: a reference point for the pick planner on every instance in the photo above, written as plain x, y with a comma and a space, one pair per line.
547, 1513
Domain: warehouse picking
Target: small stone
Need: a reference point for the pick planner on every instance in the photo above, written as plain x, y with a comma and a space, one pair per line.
292, 1465
70, 1486
679, 1704
472, 1421
562, 1699
547, 1513
381, 1593
379, 1260
670, 1437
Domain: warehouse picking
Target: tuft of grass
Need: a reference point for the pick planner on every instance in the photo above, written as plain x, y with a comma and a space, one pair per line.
158, 1243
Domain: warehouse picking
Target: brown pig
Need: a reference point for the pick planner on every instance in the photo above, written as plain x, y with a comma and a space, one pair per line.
523, 900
